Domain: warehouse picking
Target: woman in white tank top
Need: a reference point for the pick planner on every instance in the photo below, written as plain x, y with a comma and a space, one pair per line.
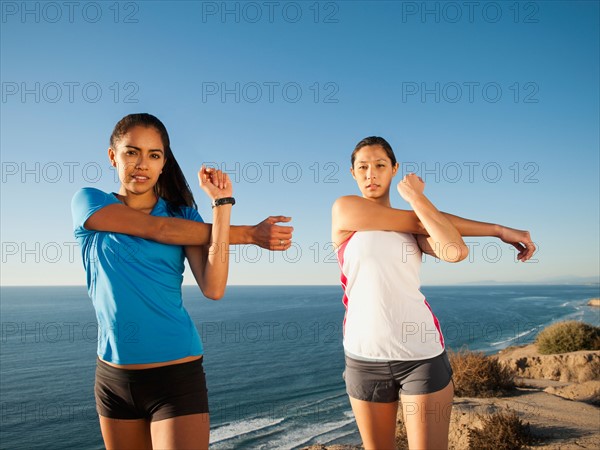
388, 320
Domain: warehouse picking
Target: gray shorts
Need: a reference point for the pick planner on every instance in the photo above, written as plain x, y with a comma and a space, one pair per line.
382, 381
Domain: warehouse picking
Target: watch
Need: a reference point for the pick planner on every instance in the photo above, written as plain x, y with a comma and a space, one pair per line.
223, 201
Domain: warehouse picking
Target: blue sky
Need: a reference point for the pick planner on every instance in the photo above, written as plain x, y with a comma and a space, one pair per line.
496, 107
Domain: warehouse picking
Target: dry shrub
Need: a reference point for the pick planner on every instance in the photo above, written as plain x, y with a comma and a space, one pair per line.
478, 375
401, 436
500, 431
569, 336
596, 342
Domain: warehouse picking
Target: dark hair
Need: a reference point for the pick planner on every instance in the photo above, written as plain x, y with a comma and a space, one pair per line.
171, 185
374, 140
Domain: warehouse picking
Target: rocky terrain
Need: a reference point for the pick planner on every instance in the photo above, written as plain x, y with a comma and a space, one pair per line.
558, 395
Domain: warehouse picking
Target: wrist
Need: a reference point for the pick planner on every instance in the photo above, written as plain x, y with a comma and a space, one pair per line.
251, 235
498, 231
223, 201
241, 234
416, 198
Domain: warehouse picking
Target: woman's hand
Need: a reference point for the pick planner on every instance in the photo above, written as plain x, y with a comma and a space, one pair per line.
411, 187
520, 240
215, 183
271, 236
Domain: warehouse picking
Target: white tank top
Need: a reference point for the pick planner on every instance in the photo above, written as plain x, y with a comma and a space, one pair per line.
387, 316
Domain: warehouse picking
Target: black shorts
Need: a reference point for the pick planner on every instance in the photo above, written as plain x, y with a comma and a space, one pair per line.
382, 381
155, 394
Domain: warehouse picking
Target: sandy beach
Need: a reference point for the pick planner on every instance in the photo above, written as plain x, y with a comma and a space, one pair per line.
558, 395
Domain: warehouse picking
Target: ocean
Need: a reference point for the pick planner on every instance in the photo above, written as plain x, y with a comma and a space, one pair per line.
273, 357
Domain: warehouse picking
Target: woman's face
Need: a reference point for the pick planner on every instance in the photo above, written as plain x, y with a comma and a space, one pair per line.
373, 171
139, 157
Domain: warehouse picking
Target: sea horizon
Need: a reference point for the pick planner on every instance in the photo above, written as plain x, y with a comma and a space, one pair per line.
470, 283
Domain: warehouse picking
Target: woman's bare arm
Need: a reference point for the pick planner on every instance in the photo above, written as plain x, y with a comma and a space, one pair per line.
468, 227
119, 218
352, 213
210, 264
520, 239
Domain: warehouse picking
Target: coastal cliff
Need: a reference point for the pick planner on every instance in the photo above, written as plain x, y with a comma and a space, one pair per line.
527, 362
594, 302
558, 395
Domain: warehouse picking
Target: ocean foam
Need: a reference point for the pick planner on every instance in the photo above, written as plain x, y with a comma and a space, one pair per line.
239, 428
295, 438
514, 338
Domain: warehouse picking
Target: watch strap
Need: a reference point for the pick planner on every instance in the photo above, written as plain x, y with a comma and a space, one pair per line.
223, 201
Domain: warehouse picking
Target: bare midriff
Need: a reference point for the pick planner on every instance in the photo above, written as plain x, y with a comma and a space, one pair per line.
153, 365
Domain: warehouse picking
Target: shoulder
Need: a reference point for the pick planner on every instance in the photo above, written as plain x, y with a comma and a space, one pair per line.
348, 199
86, 201
90, 199
89, 193
345, 202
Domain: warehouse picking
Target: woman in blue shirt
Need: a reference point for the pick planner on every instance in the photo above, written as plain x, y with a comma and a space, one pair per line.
150, 387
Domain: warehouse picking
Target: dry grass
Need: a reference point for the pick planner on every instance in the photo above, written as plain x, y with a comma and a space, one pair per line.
503, 430
569, 336
401, 437
478, 375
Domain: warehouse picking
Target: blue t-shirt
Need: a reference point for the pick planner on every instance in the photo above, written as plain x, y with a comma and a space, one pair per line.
135, 286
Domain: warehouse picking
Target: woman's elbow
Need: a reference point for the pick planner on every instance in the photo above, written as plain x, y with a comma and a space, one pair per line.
455, 253
213, 293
